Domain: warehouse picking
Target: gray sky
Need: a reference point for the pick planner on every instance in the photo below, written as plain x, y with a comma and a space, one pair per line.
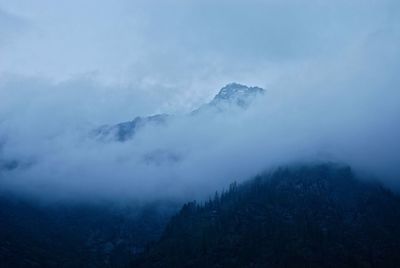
330, 69
185, 48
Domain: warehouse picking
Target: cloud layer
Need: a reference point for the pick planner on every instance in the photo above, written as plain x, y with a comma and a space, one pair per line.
330, 71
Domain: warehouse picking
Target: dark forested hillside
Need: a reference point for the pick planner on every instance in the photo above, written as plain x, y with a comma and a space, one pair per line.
75, 235
318, 216
308, 216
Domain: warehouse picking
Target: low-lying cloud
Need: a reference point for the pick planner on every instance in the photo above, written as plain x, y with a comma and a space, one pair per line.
327, 101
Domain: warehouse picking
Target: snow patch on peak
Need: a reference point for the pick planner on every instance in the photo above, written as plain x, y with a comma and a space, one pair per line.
237, 93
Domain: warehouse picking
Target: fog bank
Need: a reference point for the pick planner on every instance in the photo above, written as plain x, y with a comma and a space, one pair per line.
330, 72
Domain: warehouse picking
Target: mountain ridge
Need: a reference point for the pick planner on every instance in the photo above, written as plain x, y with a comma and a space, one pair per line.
305, 216
232, 94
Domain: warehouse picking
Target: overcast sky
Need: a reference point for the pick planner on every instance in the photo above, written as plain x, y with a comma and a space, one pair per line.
330, 69
182, 48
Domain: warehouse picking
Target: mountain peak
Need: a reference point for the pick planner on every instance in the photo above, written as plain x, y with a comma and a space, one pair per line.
232, 94
236, 89
237, 93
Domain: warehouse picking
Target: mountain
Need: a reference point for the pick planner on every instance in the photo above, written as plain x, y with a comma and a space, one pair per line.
124, 131
297, 216
231, 95
306, 216
237, 94
76, 235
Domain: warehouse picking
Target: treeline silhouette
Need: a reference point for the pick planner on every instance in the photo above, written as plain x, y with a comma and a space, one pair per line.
304, 216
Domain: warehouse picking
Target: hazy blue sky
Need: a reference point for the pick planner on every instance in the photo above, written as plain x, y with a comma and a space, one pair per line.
330, 69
